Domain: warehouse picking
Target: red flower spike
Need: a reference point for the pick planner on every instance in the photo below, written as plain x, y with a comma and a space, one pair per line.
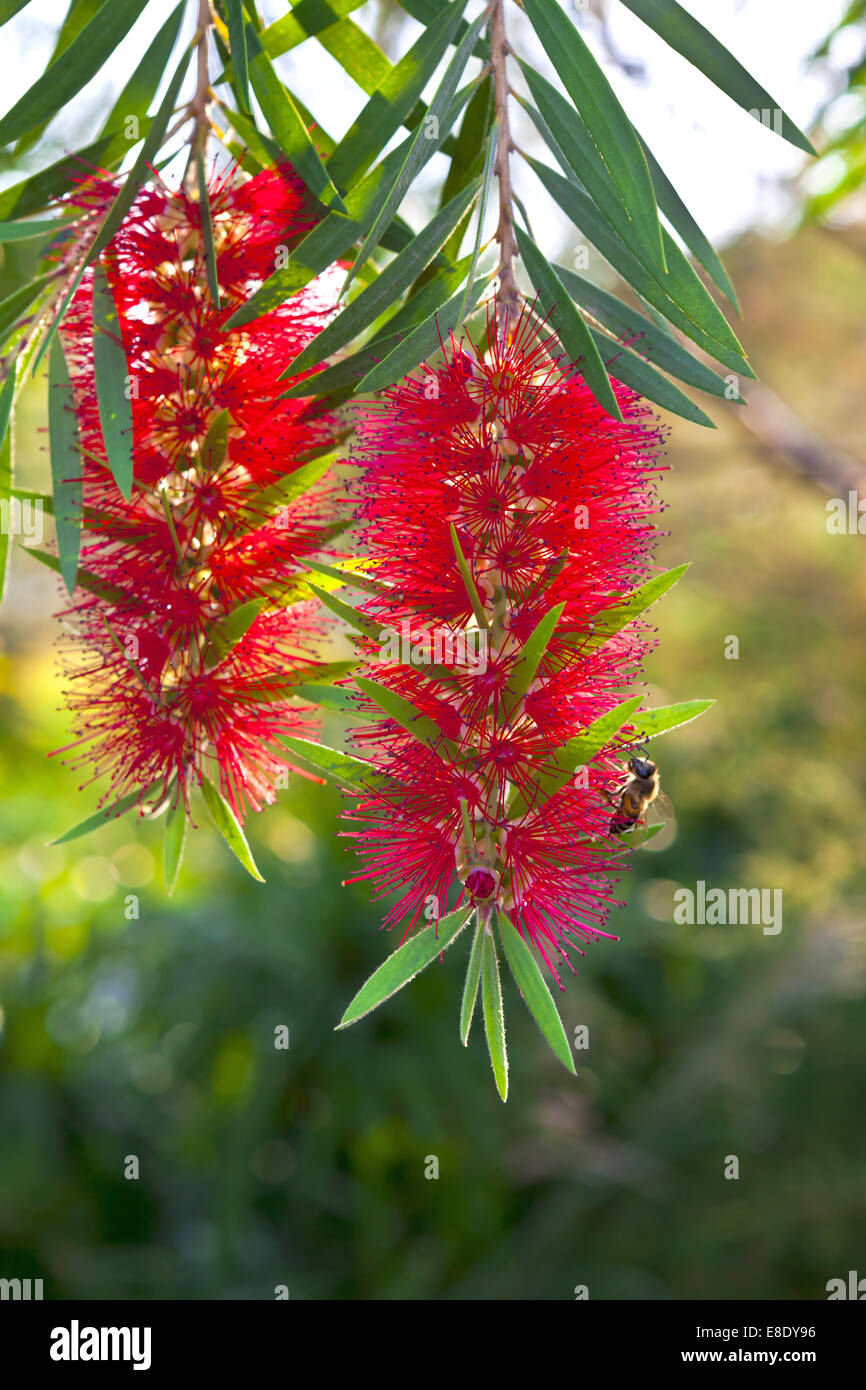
156, 698
553, 502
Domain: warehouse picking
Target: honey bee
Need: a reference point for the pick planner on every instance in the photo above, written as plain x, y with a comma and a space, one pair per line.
641, 789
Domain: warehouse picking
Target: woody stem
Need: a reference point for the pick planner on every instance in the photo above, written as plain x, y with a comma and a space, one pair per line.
199, 104
508, 295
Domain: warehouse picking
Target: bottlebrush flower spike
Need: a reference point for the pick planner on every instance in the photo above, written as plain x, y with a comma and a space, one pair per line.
192, 622
509, 522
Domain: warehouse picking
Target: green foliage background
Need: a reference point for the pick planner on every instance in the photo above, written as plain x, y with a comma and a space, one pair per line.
155, 1037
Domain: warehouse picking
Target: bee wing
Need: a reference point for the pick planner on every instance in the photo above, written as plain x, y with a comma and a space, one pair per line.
663, 807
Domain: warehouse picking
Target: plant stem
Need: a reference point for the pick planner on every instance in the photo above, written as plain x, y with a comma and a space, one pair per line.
197, 109
508, 295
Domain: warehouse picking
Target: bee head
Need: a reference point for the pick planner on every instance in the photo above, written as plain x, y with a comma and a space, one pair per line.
641, 767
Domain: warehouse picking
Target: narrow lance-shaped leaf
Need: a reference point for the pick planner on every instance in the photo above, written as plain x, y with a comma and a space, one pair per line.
606, 121
107, 813
525, 669
225, 634
679, 294
394, 279
565, 134
173, 844
675, 210
470, 984
238, 46
652, 722
112, 382
688, 36
395, 707
421, 342
341, 767
405, 963
207, 230
226, 823
634, 371
428, 131
140, 90
613, 619
7, 396
65, 465
468, 582
645, 337
81, 61
536, 995
572, 755
573, 334
494, 1019
287, 126
125, 198
389, 106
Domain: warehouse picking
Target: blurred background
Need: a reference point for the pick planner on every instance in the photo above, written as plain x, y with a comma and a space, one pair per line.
153, 1035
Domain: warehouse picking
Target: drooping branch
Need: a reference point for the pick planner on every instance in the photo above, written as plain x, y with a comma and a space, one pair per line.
198, 107
508, 295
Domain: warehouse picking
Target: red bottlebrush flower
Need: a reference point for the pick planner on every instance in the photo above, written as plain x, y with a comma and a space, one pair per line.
551, 502
165, 691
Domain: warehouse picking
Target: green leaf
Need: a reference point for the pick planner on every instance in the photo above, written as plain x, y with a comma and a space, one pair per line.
306, 19
417, 310
106, 814
333, 698
574, 148
111, 370
358, 54
207, 230
653, 341
395, 707
652, 722
391, 103
84, 578
287, 126
125, 198
613, 619
142, 87
367, 626
468, 581
565, 760
238, 46
8, 8
73, 69
470, 985
494, 1019
23, 231
675, 210
226, 823
574, 336
65, 464
679, 296
606, 121
634, 371
325, 243
405, 963
536, 995
525, 669
348, 576
421, 342
687, 36
19, 301
38, 190
419, 152
7, 465
342, 767
393, 280
173, 844
225, 634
